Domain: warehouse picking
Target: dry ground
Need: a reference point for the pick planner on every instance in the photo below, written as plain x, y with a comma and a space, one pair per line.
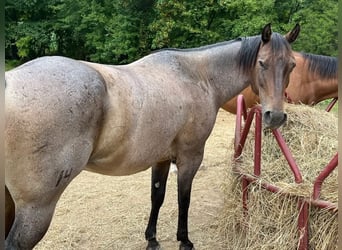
103, 212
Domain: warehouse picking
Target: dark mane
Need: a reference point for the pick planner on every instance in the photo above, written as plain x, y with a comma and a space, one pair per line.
250, 47
325, 66
248, 53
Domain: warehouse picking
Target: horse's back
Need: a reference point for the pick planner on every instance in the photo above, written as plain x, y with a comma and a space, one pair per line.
56, 81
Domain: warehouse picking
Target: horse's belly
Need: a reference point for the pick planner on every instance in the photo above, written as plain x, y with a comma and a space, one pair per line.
128, 162
115, 170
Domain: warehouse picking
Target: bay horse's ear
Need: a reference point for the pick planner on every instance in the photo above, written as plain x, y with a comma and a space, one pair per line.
293, 34
266, 33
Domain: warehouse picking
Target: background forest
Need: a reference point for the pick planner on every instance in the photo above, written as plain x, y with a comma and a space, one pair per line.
121, 31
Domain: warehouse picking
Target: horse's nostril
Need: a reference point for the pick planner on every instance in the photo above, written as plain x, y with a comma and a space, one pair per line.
267, 117
268, 113
285, 117
274, 119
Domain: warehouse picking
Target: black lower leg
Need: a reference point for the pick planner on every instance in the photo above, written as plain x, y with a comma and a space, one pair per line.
183, 208
158, 187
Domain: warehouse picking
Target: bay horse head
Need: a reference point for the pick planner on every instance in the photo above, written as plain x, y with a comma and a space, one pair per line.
273, 64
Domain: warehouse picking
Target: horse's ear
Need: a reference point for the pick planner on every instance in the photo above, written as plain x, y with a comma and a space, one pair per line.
266, 33
293, 34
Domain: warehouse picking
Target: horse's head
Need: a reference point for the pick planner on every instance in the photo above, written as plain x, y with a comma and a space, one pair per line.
273, 66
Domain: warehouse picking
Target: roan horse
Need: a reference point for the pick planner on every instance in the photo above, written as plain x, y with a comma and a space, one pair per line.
64, 116
313, 80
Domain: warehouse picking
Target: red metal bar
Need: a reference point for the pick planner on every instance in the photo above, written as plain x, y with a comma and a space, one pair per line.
267, 186
324, 204
238, 124
331, 104
274, 189
239, 144
288, 156
303, 228
323, 175
257, 143
242, 106
240, 112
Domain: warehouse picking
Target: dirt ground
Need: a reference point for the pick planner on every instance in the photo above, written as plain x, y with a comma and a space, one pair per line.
103, 212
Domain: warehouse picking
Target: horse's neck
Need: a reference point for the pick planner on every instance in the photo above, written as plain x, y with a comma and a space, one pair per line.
216, 69
311, 87
324, 89
315, 88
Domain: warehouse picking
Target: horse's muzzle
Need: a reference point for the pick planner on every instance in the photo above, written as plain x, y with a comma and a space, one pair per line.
274, 119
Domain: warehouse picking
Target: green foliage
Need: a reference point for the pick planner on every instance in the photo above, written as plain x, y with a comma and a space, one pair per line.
319, 27
250, 16
103, 31
118, 32
186, 24
29, 29
10, 64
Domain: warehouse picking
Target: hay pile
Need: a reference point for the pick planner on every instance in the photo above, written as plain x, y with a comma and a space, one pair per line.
311, 135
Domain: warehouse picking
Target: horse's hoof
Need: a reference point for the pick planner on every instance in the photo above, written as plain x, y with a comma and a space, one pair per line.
186, 246
153, 245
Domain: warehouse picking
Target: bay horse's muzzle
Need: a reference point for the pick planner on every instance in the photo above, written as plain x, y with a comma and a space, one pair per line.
274, 119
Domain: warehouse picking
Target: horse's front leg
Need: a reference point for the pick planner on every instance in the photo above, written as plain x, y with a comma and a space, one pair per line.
158, 185
187, 169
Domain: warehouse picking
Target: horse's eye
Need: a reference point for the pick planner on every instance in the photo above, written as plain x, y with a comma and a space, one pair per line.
292, 65
262, 64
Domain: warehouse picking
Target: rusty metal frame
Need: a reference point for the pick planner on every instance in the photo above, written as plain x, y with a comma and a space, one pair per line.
241, 133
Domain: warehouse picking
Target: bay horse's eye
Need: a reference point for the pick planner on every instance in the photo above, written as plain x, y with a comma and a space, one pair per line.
292, 65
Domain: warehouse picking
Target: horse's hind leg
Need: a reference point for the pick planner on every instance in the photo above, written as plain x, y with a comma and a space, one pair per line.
31, 223
158, 185
36, 182
35, 200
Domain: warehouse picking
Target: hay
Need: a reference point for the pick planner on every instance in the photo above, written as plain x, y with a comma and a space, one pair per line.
311, 135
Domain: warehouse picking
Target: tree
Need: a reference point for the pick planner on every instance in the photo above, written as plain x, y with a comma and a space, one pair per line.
122, 31
29, 28
104, 31
185, 24
318, 21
